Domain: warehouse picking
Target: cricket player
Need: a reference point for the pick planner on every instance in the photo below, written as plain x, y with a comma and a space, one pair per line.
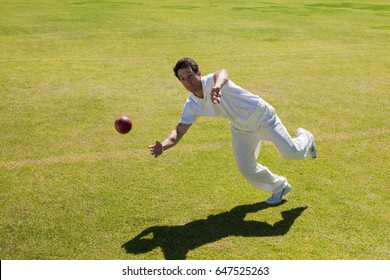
252, 121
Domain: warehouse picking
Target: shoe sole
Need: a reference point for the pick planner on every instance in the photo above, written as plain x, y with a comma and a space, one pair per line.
313, 151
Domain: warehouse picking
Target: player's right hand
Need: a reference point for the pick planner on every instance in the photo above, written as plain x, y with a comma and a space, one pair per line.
156, 149
216, 95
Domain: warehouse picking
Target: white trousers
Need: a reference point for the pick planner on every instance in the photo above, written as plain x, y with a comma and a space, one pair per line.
246, 148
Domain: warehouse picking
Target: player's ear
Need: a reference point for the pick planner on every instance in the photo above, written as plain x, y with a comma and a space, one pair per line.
199, 73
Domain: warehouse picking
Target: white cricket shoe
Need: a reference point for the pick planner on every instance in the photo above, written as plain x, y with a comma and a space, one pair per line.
277, 198
312, 149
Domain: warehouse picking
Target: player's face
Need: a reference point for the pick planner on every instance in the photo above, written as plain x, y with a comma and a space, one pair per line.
190, 80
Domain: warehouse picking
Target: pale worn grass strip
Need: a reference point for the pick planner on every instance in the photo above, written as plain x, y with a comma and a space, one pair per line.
72, 158
358, 134
143, 153
118, 155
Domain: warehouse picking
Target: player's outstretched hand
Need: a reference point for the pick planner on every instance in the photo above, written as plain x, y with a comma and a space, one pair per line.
156, 149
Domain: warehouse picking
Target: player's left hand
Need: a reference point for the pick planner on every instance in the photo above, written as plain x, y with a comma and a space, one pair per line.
216, 95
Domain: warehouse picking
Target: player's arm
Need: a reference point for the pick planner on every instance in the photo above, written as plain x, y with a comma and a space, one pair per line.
171, 140
221, 78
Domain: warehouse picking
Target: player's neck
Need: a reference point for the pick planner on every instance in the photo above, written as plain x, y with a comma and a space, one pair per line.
199, 94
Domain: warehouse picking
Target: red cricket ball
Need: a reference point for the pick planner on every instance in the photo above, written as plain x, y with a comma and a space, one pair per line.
123, 124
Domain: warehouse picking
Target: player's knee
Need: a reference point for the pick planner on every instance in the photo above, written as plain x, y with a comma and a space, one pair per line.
246, 168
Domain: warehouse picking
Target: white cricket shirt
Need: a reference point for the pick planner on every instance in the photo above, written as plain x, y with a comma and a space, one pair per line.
244, 110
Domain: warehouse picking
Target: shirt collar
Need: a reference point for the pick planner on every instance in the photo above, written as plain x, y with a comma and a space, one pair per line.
196, 99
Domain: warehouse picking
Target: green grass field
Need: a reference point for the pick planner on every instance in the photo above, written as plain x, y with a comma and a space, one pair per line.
71, 187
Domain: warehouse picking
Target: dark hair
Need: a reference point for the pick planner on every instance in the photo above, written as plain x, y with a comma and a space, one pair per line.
185, 63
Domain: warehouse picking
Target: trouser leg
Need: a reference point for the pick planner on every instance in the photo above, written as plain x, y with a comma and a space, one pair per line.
288, 147
246, 148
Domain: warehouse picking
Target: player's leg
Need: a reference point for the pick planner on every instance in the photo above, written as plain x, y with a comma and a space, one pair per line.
246, 148
290, 148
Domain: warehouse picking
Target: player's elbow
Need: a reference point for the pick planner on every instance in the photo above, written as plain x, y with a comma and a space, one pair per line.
173, 140
225, 74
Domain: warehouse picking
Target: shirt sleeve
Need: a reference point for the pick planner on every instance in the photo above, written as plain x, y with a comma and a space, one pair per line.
188, 115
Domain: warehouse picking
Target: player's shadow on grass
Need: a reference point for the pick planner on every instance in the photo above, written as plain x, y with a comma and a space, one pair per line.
177, 241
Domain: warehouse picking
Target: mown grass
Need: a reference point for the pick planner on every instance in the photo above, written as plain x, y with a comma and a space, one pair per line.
72, 188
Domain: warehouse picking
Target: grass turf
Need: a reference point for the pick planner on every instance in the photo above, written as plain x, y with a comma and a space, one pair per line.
73, 188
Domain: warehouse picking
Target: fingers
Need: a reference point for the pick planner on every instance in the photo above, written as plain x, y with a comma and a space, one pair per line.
216, 98
216, 95
154, 154
156, 149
